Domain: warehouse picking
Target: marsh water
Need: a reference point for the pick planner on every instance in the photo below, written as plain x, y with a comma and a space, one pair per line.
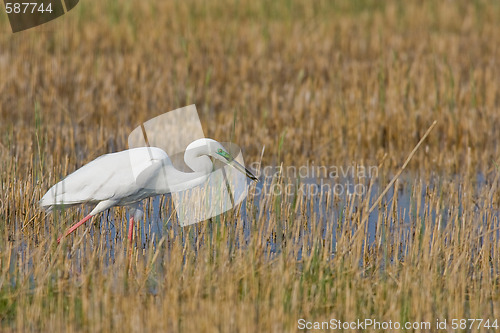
323, 203
313, 206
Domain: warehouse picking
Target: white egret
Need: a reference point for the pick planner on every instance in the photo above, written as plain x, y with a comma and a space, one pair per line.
126, 178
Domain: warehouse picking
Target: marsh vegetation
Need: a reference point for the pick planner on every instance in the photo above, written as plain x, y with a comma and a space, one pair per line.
337, 83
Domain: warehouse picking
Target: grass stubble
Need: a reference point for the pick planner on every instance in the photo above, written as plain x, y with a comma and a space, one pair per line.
331, 82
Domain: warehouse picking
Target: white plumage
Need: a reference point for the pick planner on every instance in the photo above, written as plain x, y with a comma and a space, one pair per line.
126, 178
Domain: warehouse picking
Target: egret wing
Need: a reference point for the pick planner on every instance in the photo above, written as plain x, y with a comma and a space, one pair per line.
111, 176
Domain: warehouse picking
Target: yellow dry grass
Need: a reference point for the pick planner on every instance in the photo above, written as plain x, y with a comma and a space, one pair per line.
334, 82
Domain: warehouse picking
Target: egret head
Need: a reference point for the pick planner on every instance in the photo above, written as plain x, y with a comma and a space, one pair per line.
215, 150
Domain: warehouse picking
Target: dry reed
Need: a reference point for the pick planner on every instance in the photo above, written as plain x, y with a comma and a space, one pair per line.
334, 82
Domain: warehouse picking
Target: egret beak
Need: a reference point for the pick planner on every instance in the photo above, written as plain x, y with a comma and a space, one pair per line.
243, 170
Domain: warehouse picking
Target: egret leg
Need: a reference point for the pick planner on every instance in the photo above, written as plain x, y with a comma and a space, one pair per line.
73, 228
130, 229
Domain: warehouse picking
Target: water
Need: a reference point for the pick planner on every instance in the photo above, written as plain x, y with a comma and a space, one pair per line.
321, 209
313, 203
